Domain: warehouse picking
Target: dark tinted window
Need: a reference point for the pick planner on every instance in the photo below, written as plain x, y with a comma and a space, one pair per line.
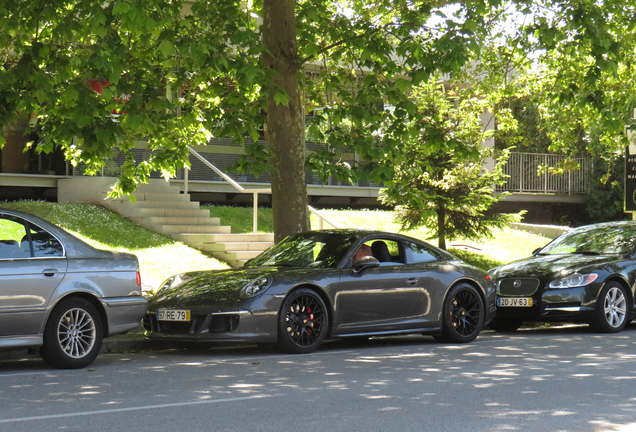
308, 249
44, 244
595, 239
420, 254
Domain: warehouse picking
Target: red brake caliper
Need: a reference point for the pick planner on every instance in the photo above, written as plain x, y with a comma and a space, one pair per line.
311, 320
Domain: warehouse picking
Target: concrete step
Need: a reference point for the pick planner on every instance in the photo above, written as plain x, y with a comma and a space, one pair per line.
180, 230
168, 212
158, 204
157, 196
247, 237
157, 184
197, 240
158, 220
236, 256
236, 246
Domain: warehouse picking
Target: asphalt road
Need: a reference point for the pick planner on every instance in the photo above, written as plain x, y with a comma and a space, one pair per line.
564, 379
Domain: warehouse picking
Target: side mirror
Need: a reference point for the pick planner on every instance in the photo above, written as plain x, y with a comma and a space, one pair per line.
365, 263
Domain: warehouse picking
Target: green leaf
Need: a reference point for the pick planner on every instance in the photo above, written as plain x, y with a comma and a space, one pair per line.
121, 8
470, 25
403, 84
83, 120
281, 98
167, 48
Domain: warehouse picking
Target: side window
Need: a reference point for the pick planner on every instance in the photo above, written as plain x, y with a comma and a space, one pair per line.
386, 251
44, 244
11, 235
419, 254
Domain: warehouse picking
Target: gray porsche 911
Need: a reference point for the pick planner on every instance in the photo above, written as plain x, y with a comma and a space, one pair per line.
61, 294
318, 284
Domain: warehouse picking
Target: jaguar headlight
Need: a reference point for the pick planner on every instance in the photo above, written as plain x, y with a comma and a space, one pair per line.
574, 280
255, 287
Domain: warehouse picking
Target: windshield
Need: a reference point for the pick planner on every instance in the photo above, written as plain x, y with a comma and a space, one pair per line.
313, 249
594, 240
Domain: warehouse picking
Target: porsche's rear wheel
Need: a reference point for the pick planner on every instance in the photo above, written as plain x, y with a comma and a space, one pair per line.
302, 322
463, 314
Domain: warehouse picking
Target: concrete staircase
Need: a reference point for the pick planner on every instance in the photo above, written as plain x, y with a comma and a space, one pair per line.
163, 209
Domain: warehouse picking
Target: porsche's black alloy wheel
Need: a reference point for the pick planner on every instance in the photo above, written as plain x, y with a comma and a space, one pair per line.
611, 309
505, 325
463, 315
73, 335
302, 323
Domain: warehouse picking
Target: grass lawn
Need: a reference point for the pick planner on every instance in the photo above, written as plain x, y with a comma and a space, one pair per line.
159, 256
505, 246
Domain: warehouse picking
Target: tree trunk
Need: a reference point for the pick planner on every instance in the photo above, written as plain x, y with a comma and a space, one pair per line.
441, 228
285, 126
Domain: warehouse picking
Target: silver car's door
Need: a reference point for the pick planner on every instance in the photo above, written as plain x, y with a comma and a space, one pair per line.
32, 264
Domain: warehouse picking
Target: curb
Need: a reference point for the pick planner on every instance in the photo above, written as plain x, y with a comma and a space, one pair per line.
130, 342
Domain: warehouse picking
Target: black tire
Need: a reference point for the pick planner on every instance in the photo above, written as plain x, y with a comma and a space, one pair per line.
73, 334
302, 323
463, 315
505, 325
612, 312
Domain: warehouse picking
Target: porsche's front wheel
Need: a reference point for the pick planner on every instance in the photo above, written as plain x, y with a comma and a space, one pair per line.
302, 322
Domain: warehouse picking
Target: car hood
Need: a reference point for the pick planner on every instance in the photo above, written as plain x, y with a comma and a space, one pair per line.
201, 288
541, 265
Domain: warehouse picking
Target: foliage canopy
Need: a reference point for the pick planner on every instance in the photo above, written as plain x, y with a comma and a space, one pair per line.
183, 71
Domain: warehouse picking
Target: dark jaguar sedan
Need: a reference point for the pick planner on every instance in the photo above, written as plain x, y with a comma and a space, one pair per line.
320, 284
587, 275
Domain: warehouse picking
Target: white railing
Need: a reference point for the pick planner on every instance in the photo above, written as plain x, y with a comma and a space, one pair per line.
524, 176
254, 192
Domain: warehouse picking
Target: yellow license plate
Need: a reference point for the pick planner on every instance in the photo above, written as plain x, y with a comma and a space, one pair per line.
173, 315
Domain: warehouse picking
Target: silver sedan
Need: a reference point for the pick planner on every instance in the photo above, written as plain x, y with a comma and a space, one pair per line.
60, 294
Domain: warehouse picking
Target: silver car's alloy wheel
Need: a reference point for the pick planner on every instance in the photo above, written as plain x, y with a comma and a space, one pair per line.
73, 334
615, 307
76, 333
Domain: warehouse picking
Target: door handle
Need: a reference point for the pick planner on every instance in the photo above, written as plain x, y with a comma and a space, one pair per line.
49, 272
411, 281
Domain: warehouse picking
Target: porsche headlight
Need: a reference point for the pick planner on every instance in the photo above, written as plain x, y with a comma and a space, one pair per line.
167, 284
574, 280
255, 287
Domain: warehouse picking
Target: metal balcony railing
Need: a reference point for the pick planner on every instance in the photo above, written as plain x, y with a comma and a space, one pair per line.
524, 176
